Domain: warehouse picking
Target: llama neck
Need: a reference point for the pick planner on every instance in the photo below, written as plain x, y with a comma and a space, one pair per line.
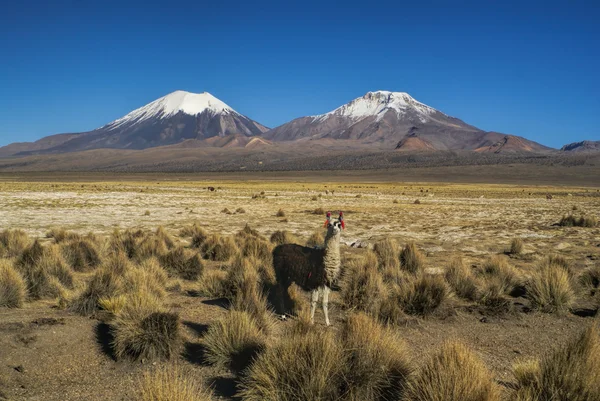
331, 257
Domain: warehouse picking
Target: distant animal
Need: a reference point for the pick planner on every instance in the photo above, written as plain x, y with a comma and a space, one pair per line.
549, 197
312, 269
211, 189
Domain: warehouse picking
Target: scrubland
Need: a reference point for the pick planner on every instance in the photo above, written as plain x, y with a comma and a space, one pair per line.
164, 291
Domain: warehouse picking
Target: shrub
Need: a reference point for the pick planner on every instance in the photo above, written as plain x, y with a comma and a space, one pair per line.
13, 243
314, 198
549, 289
493, 297
125, 242
378, 365
218, 248
411, 259
571, 372
316, 240
302, 367
61, 235
499, 269
226, 211
147, 277
198, 237
142, 330
423, 295
163, 236
212, 284
189, 231
183, 263
319, 211
149, 247
300, 308
44, 270
362, 285
387, 252
583, 221
170, 384
240, 210
283, 237
12, 286
82, 255
280, 213
590, 279
417, 202
526, 372
453, 374
516, 246
560, 261
233, 341
254, 247
248, 231
461, 280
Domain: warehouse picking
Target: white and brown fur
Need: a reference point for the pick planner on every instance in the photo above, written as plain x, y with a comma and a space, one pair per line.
311, 269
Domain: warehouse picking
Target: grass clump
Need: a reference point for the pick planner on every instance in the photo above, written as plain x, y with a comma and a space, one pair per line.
582, 221
142, 330
590, 279
496, 268
453, 373
254, 247
461, 280
212, 284
82, 254
549, 289
362, 285
189, 231
318, 211
378, 365
516, 246
61, 235
13, 288
218, 248
302, 367
183, 263
316, 240
571, 372
170, 384
234, 341
387, 252
423, 295
13, 243
411, 259
280, 213
283, 237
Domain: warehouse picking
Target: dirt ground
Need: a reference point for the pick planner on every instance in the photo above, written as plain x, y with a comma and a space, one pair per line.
51, 354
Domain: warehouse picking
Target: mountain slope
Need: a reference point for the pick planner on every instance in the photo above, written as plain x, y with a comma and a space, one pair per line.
396, 120
583, 146
169, 120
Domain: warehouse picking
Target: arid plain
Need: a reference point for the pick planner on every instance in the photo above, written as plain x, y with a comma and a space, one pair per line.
48, 351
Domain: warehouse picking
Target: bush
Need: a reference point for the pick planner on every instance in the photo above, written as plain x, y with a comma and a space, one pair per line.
280, 213
362, 285
283, 237
143, 331
302, 367
316, 240
319, 211
461, 280
13, 243
82, 255
240, 210
234, 341
411, 259
453, 374
493, 297
257, 248
583, 221
150, 246
378, 364
505, 275
12, 286
61, 235
590, 279
189, 231
571, 372
218, 248
170, 384
147, 277
516, 246
163, 236
198, 237
212, 284
387, 252
183, 263
423, 295
549, 289
44, 270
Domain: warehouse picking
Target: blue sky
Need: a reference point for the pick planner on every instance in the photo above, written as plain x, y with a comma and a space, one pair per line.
526, 68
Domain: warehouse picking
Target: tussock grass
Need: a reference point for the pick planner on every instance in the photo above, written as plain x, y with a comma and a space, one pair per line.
183, 263
570, 372
362, 285
149, 247
387, 251
424, 295
493, 297
283, 237
171, 384
163, 236
189, 231
233, 341
526, 372
212, 284
590, 279
453, 373
378, 365
582, 221
82, 254
319, 211
142, 330
13, 288
61, 235
302, 367
198, 237
147, 277
255, 247
280, 213
516, 246
498, 269
390, 309
462, 280
219, 248
411, 259
248, 231
13, 243
300, 308
549, 289
316, 240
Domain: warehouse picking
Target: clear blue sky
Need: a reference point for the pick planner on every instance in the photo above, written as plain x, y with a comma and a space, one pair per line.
527, 68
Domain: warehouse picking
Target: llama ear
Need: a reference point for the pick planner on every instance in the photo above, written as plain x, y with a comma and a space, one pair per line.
341, 219
328, 219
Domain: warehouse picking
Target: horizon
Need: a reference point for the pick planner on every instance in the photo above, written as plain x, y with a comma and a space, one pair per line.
512, 68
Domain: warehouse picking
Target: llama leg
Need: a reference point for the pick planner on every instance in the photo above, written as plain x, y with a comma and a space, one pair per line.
325, 302
313, 304
281, 298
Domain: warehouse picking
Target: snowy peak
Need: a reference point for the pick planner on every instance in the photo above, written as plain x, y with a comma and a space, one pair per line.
177, 102
377, 104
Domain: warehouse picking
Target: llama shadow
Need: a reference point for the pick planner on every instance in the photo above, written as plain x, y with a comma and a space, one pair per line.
194, 353
221, 302
242, 359
225, 387
105, 338
198, 328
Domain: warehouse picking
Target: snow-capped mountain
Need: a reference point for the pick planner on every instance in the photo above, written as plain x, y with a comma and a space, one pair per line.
393, 120
172, 119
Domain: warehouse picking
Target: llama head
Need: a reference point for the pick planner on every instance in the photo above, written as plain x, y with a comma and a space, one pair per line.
334, 226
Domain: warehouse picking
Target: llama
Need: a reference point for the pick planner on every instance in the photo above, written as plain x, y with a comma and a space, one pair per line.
311, 269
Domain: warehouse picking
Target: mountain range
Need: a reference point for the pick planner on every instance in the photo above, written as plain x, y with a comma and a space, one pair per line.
378, 120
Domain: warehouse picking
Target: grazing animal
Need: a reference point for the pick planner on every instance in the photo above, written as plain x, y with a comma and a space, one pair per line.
311, 269
211, 189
